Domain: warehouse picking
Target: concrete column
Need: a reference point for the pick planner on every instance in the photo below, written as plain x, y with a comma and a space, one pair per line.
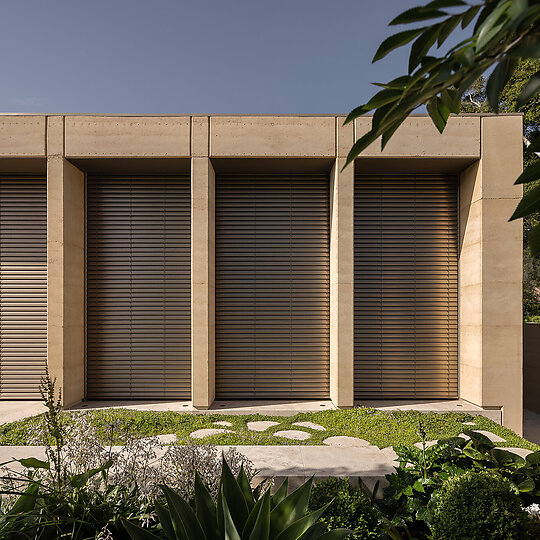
202, 267
341, 272
490, 274
65, 267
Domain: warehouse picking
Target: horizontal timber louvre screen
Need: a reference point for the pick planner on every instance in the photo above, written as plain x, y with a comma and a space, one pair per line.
23, 286
405, 287
138, 287
272, 286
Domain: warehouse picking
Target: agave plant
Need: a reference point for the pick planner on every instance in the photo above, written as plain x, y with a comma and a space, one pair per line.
240, 513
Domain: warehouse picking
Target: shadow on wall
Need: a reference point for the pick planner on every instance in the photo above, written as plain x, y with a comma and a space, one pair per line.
531, 366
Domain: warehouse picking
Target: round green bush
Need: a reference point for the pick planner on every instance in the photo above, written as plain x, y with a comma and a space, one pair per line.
479, 506
349, 509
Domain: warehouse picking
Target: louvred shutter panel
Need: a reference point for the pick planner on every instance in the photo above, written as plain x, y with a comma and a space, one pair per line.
138, 287
23, 286
405, 287
272, 287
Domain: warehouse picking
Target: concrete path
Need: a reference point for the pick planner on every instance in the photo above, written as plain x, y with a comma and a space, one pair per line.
11, 411
17, 410
296, 462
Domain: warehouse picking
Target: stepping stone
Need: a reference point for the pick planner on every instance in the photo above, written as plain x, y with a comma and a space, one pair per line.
222, 423
491, 436
261, 425
293, 434
468, 423
428, 444
206, 432
523, 452
310, 425
345, 441
167, 439
463, 436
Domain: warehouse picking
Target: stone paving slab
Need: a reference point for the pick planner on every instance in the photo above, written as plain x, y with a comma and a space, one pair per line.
293, 434
310, 425
297, 462
261, 425
345, 441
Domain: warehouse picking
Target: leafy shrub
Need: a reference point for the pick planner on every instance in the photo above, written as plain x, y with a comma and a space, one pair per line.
422, 472
85, 486
239, 512
479, 506
348, 507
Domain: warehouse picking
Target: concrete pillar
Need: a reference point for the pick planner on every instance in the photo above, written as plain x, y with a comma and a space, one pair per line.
490, 274
341, 272
65, 267
202, 266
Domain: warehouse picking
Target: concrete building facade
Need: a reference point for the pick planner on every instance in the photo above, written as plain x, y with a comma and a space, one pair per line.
399, 277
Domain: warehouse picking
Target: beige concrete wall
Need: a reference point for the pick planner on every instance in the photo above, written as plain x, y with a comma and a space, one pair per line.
132, 136
22, 136
342, 272
490, 273
418, 137
202, 267
275, 136
65, 265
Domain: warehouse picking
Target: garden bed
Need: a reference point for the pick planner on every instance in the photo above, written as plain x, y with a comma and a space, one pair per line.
379, 428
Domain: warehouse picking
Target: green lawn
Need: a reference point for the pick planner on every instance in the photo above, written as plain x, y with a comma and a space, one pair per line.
381, 428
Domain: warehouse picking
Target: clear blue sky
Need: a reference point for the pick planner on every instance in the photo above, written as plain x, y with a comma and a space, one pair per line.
197, 56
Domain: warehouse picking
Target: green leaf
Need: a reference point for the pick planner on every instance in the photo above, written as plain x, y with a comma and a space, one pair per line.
436, 114
417, 486
446, 28
498, 79
530, 174
534, 458
281, 492
336, 534
445, 3
479, 439
360, 145
534, 245
27, 501
252, 518
300, 526
416, 14
491, 25
387, 135
534, 146
452, 100
34, 463
261, 529
471, 452
235, 497
245, 486
504, 457
469, 15
185, 523
529, 204
395, 41
293, 507
231, 533
314, 532
138, 533
526, 485
421, 46
165, 521
531, 88
206, 509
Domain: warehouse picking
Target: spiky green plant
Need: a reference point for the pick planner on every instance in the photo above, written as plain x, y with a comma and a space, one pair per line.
239, 513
